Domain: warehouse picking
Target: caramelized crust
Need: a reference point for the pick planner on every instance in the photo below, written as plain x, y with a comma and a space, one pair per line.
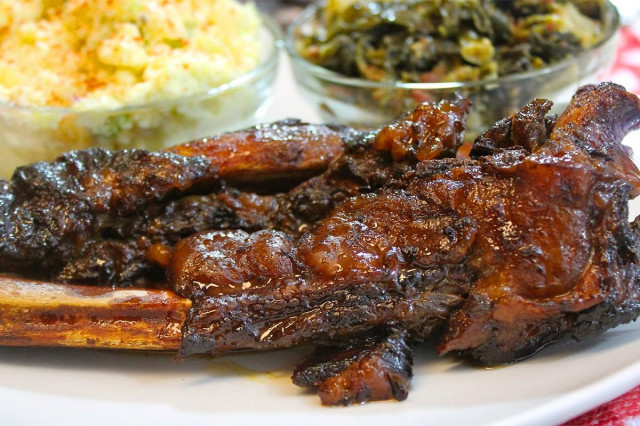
50, 212
287, 148
595, 123
427, 132
101, 218
559, 256
526, 243
374, 369
531, 242
528, 129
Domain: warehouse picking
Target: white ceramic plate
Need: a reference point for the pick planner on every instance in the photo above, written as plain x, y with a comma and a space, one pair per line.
67, 387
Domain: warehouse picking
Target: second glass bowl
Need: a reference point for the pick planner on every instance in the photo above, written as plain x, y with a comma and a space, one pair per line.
364, 103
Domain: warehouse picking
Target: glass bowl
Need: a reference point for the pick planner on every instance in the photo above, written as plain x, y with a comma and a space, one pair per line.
29, 134
364, 103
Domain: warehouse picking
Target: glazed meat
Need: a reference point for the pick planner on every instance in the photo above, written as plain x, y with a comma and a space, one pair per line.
526, 243
508, 252
568, 258
434, 130
108, 218
375, 368
48, 210
64, 225
287, 149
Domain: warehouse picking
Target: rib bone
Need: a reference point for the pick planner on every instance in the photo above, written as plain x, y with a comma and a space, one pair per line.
34, 313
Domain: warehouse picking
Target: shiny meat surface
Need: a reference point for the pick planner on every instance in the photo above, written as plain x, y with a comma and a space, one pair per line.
521, 249
526, 243
243, 261
284, 148
371, 160
343, 277
559, 255
110, 218
50, 211
374, 369
595, 124
427, 132
126, 241
529, 128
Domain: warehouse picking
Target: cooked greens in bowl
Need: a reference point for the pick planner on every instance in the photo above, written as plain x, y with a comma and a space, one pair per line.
365, 62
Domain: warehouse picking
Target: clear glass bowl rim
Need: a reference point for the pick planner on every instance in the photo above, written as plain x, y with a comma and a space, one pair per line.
334, 77
268, 63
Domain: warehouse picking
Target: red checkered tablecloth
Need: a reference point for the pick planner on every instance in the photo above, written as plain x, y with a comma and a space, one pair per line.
624, 410
626, 69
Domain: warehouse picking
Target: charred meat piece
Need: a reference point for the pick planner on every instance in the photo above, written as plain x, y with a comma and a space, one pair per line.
244, 261
133, 250
527, 243
427, 132
520, 248
66, 226
377, 368
542, 254
49, 211
377, 259
559, 256
528, 129
108, 218
287, 149
586, 128
433, 130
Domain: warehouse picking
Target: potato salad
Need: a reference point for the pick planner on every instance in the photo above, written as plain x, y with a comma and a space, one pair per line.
97, 54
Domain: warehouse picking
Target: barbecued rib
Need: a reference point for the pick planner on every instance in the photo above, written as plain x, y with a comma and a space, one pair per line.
66, 226
510, 251
373, 368
573, 263
537, 244
102, 217
49, 210
284, 149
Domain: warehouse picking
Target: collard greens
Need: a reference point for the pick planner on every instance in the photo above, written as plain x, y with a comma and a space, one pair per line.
454, 40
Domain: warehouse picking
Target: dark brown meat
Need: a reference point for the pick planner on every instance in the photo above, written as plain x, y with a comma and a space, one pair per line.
435, 130
129, 246
376, 258
242, 261
527, 129
125, 250
285, 149
587, 128
427, 132
594, 125
50, 210
558, 256
372, 369
535, 245
102, 217
526, 243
